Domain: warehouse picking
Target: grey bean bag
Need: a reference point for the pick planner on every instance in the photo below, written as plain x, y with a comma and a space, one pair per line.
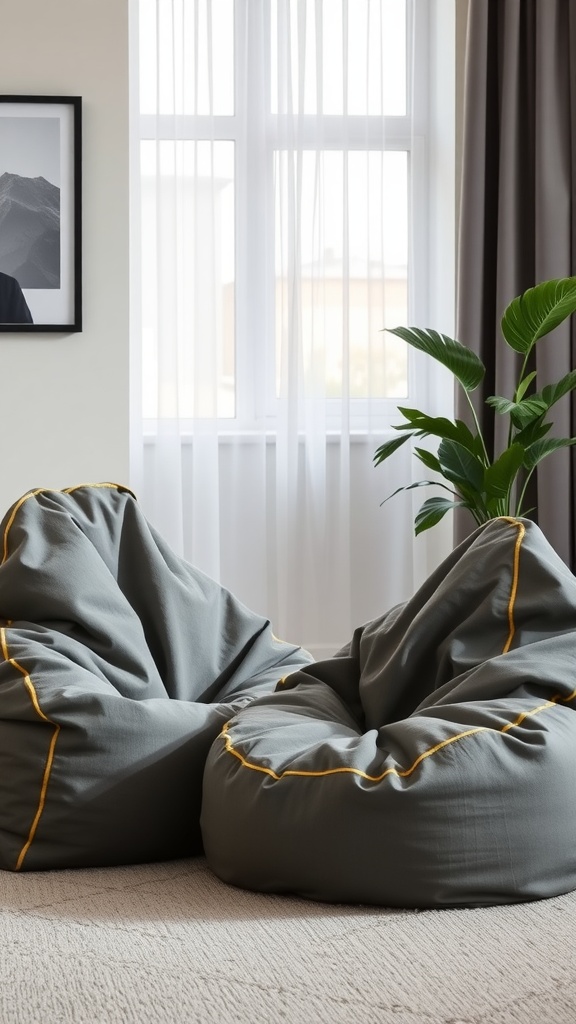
432, 762
119, 665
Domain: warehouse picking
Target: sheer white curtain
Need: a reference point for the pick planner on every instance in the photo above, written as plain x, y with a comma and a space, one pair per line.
284, 221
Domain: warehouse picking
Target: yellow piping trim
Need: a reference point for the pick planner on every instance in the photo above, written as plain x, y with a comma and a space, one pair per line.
50, 757
27, 680
345, 770
515, 575
401, 774
110, 486
51, 490
439, 746
527, 714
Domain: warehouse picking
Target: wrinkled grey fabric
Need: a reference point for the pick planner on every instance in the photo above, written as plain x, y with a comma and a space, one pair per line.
432, 762
119, 665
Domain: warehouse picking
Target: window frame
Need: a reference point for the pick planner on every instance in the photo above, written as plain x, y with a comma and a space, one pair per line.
430, 279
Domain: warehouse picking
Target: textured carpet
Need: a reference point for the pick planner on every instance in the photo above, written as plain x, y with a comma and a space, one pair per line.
170, 943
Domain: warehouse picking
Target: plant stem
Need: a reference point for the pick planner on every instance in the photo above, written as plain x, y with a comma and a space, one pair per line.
520, 379
520, 501
478, 430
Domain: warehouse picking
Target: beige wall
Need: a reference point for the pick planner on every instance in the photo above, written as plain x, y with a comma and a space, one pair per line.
64, 406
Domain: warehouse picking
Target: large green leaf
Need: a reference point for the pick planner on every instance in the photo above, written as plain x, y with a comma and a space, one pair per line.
461, 361
500, 476
438, 426
428, 458
472, 442
460, 466
538, 451
523, 386
527, 411
432, 511
388, 448
521, 413
535, 431
502, 405
553, 392
537, 312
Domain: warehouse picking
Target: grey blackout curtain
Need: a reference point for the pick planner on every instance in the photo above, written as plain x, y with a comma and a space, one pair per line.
518, 211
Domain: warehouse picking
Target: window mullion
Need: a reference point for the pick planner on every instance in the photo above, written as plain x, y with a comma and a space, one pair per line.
254, 211
187, 126
344, 133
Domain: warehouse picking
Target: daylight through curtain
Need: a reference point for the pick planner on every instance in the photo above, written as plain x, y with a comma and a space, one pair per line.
275, 219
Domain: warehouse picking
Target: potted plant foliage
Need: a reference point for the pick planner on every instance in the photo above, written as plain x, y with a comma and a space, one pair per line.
489, 487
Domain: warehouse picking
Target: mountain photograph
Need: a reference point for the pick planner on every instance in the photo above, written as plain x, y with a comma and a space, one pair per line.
30, 230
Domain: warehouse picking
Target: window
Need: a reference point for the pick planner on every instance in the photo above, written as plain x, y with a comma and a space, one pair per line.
278, 157
296, 196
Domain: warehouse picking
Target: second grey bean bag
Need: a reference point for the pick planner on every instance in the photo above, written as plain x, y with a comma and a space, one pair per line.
432, 762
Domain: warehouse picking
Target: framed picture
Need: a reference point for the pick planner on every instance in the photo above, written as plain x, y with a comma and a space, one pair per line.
40, 213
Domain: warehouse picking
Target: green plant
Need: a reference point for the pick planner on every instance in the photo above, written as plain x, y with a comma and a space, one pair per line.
489, 488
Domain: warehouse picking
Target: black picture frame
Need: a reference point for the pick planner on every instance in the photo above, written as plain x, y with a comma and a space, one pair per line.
40, 213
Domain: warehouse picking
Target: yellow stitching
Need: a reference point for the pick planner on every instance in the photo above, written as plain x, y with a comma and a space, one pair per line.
111, 486
52, 490
514, 588
527, 714
347, 770
432, 750
50, 758
27, 680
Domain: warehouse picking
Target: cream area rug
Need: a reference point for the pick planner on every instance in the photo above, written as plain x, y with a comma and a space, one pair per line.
171, 943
